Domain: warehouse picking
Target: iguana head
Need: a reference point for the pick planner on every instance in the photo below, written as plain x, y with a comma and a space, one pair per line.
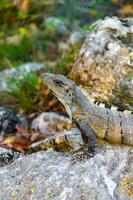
63, 88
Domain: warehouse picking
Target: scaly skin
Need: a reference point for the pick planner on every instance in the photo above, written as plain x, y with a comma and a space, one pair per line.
92, 119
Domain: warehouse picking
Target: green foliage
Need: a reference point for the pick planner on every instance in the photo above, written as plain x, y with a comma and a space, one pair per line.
66, 62
24, 88
17, 52
16, 21
26, 91
25, 51
90, 28
55, 25
22, 15
130, 75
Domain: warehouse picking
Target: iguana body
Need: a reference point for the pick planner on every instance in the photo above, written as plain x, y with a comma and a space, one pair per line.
92, 119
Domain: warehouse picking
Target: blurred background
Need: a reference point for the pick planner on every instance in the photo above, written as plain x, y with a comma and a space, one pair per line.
44, 36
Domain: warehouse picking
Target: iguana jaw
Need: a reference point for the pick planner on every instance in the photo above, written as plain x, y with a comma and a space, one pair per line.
67, 107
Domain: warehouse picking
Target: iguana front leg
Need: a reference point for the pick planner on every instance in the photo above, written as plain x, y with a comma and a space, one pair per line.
88, 135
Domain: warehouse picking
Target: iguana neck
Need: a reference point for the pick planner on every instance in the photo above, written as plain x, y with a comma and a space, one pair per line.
80, 104
79, 108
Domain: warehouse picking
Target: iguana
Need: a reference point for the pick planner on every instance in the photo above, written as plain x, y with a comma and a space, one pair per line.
92, 119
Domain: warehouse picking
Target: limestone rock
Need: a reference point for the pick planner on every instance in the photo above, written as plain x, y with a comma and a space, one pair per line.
104, 66
49, 123
9, 120
65, 141
76, 37
7, 156
52, 175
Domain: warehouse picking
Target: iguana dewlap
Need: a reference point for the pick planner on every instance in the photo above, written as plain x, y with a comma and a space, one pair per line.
92, 119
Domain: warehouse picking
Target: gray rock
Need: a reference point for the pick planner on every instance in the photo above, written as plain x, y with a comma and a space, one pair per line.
104, 66
54, 175
7, 156
76, 37
9, 120
49, 123
66, 141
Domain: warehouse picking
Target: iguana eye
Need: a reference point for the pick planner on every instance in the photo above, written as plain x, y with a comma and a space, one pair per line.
59, 83
70, 94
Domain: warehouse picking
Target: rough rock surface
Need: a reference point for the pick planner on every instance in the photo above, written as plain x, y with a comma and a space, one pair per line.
65, 141
54, 175
7, 156
48, 123
9, 120
104, 66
